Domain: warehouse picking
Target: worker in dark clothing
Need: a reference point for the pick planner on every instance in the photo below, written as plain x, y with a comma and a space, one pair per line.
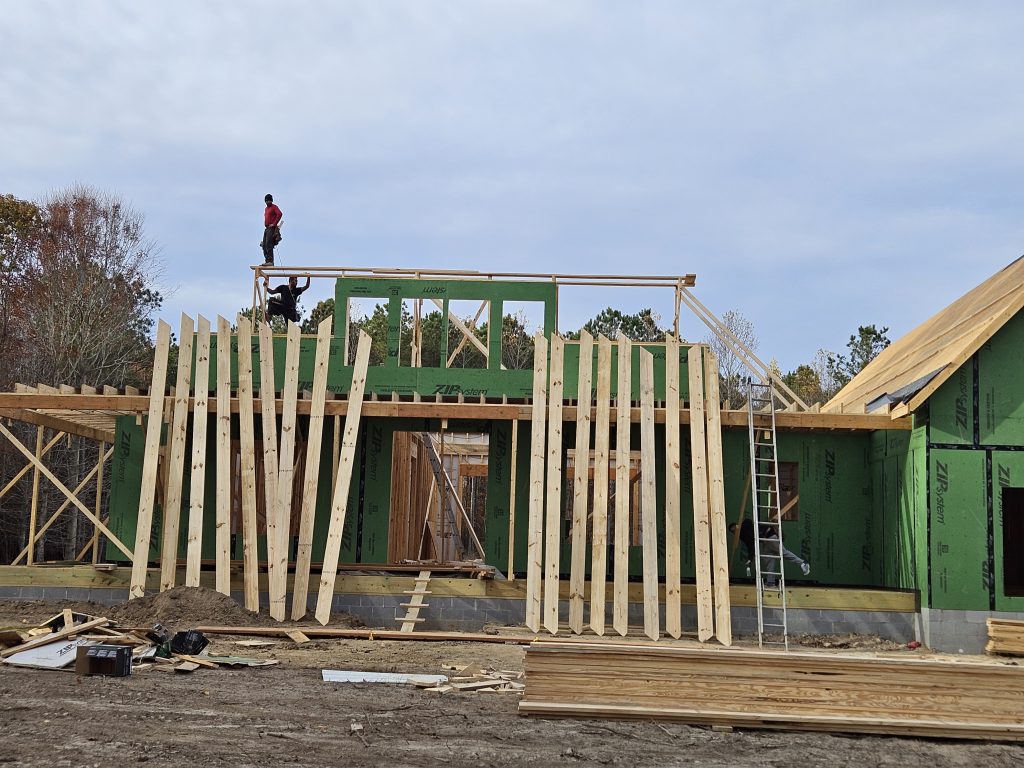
770, 545
271, 230
288, 295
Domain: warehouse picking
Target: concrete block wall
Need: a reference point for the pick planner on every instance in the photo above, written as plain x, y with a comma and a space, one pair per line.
941, 630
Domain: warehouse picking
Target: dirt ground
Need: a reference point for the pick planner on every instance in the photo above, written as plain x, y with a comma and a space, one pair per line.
286, 714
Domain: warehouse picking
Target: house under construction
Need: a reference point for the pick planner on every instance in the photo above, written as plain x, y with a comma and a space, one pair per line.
442, 479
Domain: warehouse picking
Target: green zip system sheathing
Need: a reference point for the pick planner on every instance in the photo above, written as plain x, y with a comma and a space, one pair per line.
975, 445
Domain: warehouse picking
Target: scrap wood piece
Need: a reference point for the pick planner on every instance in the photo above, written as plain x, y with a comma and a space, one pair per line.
185, 667
51, 637
198, 660
297, 636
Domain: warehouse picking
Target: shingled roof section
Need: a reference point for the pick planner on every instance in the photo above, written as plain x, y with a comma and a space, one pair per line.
908, 371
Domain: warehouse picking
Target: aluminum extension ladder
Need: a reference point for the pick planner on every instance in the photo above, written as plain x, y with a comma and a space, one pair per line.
764, 494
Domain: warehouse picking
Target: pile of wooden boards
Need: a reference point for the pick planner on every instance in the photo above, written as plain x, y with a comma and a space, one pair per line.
547, 464
1005, 636
760, 689
164, 467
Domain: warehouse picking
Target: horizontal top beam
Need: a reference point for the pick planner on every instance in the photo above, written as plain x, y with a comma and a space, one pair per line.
130, 405
668, 281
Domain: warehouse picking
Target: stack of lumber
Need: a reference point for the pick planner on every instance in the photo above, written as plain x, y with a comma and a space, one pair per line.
1005, 636
758, 689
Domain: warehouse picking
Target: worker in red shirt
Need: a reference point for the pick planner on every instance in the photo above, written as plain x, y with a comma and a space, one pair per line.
271, 230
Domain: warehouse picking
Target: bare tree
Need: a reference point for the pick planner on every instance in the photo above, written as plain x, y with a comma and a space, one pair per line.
88, 292
731, 370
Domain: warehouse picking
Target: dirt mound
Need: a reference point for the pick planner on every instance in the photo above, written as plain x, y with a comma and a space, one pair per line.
182, 608
850, 641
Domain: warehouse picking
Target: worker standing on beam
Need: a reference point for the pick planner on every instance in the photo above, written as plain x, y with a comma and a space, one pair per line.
271, 230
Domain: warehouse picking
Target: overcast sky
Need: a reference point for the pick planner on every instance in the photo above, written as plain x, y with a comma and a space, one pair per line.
818, 165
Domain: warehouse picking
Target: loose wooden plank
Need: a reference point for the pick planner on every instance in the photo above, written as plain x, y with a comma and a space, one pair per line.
599, 539
553, 516
151, 455
371, 634
648, 496
538, 433
223, 510
176, 460
247, 449
268, 399
620, 584
50, 637
310, 485
339, 505
297, 636
673, 603
581, 484
278, 585
716, 500
701, 524
197, 488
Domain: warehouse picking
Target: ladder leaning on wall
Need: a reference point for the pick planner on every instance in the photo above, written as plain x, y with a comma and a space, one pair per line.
764, 478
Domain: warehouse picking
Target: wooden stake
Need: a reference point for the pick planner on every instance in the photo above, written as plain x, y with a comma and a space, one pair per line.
176, 458
648, 496
620, 606
716, 498
701, 526
144, 524
581, 484
534, 546
553, 527
247, 448
300, 585
599, 539
339, 506
673, 607
285, 476
197, 490
222, 578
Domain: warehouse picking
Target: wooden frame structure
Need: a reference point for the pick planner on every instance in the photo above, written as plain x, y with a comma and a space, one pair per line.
271, 460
